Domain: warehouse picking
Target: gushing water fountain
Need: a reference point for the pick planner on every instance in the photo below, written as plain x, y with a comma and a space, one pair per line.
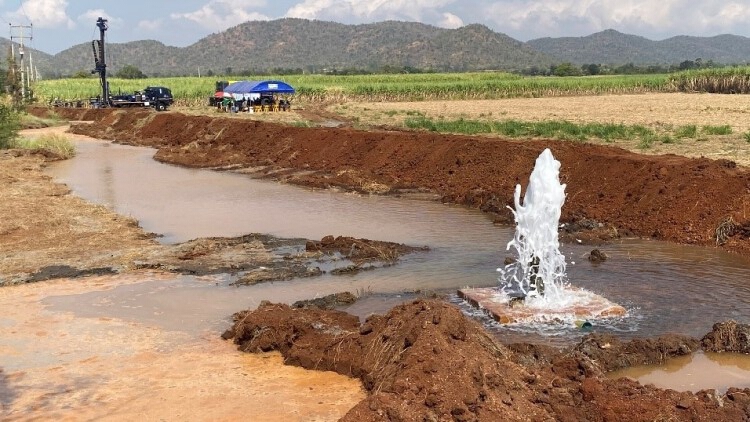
539, 271
534, 287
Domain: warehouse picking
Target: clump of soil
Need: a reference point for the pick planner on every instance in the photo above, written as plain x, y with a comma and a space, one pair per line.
361, 251
596, 256
327, 302
728, 336
425, 361
610, 353
64, 271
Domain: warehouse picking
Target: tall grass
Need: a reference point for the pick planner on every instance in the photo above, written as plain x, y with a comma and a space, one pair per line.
727, 80
56, 143
29, 121
192, 91
686, 131
554, 129
717, 130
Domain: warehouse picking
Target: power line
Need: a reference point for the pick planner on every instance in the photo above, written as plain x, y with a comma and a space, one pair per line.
24, 12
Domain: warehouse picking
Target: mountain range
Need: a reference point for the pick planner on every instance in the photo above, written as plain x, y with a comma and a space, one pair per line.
315, 46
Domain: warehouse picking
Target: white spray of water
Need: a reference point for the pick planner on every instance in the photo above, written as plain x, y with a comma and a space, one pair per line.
537, 222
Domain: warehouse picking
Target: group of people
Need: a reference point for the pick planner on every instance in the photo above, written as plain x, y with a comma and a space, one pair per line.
231, 105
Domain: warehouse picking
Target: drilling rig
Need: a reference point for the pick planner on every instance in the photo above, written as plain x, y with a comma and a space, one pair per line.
100, 64
157, 97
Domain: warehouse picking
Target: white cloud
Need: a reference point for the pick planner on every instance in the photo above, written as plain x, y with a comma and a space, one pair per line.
582, 17
370, 10
729, 15
311, 9
222, 14
90, 16
150, 25
43, 14
451, 21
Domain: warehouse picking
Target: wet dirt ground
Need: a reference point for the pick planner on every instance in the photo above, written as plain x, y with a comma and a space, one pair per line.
57, 366
425, 360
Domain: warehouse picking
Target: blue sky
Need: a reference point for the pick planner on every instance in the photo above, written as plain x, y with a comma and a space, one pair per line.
59, 24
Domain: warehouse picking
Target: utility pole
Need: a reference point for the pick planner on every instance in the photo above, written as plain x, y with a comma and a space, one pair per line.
20, 29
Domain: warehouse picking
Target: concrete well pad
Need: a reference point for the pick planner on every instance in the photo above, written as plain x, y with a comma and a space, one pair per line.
586, 305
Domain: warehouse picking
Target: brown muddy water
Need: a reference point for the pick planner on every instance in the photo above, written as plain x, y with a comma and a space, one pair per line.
665, 287
695, 372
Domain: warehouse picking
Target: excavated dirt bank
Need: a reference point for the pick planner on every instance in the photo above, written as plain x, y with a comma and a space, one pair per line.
610, 192
425, 361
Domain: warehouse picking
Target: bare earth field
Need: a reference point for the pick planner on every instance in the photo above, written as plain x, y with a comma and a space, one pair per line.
652, 110
423, 361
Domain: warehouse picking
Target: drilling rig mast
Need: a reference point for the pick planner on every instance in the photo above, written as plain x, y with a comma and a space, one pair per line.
99, 61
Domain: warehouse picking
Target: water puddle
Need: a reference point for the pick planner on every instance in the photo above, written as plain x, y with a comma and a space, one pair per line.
664, 287
695, 372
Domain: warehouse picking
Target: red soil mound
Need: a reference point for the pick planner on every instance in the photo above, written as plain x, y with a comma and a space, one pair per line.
425, 361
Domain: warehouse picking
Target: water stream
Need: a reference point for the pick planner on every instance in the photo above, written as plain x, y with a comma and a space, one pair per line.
666, 287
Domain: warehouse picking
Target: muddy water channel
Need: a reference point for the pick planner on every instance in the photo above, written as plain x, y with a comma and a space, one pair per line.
665, 287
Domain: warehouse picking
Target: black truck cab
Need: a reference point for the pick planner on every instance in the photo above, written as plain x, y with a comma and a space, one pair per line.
159, 96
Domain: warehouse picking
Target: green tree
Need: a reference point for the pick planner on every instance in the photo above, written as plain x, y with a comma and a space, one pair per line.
687, 65
591, 69
565, 69
9, 126
130, 72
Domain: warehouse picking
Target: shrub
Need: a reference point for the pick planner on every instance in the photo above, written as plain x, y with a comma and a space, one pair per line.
687, 131
9, 125
717, 130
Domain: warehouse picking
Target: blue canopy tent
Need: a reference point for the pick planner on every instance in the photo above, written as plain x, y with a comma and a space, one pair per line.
262, 93
259, 87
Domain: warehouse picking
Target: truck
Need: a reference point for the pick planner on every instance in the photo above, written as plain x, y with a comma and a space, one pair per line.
158, 97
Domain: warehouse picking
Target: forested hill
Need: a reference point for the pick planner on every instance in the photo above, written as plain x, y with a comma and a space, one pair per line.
261, 46
313, 45
39, 58
612, 47
317, 46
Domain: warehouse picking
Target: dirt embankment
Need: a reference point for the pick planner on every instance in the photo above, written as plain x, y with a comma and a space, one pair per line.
425, 361
610, 192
